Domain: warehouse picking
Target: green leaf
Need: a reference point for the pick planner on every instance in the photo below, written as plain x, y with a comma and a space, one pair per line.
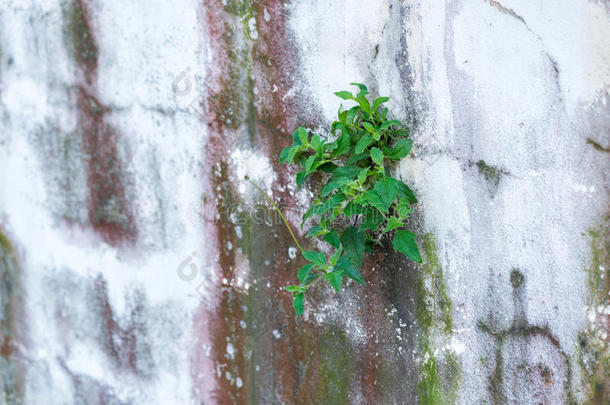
383, 114
349, 270
296, 138
330, 187
368, 127
377, 155
284, 154
404, 242
303, 137
353, 208
345, 172
298, 303
378, 102
351, 114
363, 174
364, 103
343, 144
333, 238
300, 178
393, 223
400, 149
405, 192
303, 272
315, 257
372, 220
365, 141
361, 86
306, 275
388, 124
402, 133
403, 208
294, 153
327, 167
332, 202
294, 289
335, 257
315, 231
309, 212
345, 95
376, 201
357, 157
309, 164
334, 279
387, 188
317, 144
353, 245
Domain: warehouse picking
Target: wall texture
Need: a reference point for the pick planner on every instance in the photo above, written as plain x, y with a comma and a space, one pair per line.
137, 267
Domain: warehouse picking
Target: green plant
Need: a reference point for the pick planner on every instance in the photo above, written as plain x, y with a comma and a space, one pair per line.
358, 202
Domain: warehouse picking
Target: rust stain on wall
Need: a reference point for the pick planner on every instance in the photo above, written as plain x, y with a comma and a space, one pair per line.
252, 72
109, 210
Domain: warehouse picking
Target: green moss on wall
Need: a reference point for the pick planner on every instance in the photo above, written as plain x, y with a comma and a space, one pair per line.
432, 269
597, 146
593, 348
429, 387
439, 371
491, 174
336, 367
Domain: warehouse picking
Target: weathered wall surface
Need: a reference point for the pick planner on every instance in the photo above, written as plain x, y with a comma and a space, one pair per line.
137, 267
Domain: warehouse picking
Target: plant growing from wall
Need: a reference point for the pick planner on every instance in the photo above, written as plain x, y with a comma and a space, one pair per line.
358, 203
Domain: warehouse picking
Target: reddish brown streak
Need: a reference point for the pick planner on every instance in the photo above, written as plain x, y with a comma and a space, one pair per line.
109, 211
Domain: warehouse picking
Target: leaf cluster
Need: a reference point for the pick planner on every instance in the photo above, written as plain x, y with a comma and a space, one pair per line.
358, 202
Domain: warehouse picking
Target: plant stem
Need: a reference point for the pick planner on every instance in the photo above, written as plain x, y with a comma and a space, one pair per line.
278, 210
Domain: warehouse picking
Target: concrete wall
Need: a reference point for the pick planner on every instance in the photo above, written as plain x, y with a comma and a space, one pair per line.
138, 267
